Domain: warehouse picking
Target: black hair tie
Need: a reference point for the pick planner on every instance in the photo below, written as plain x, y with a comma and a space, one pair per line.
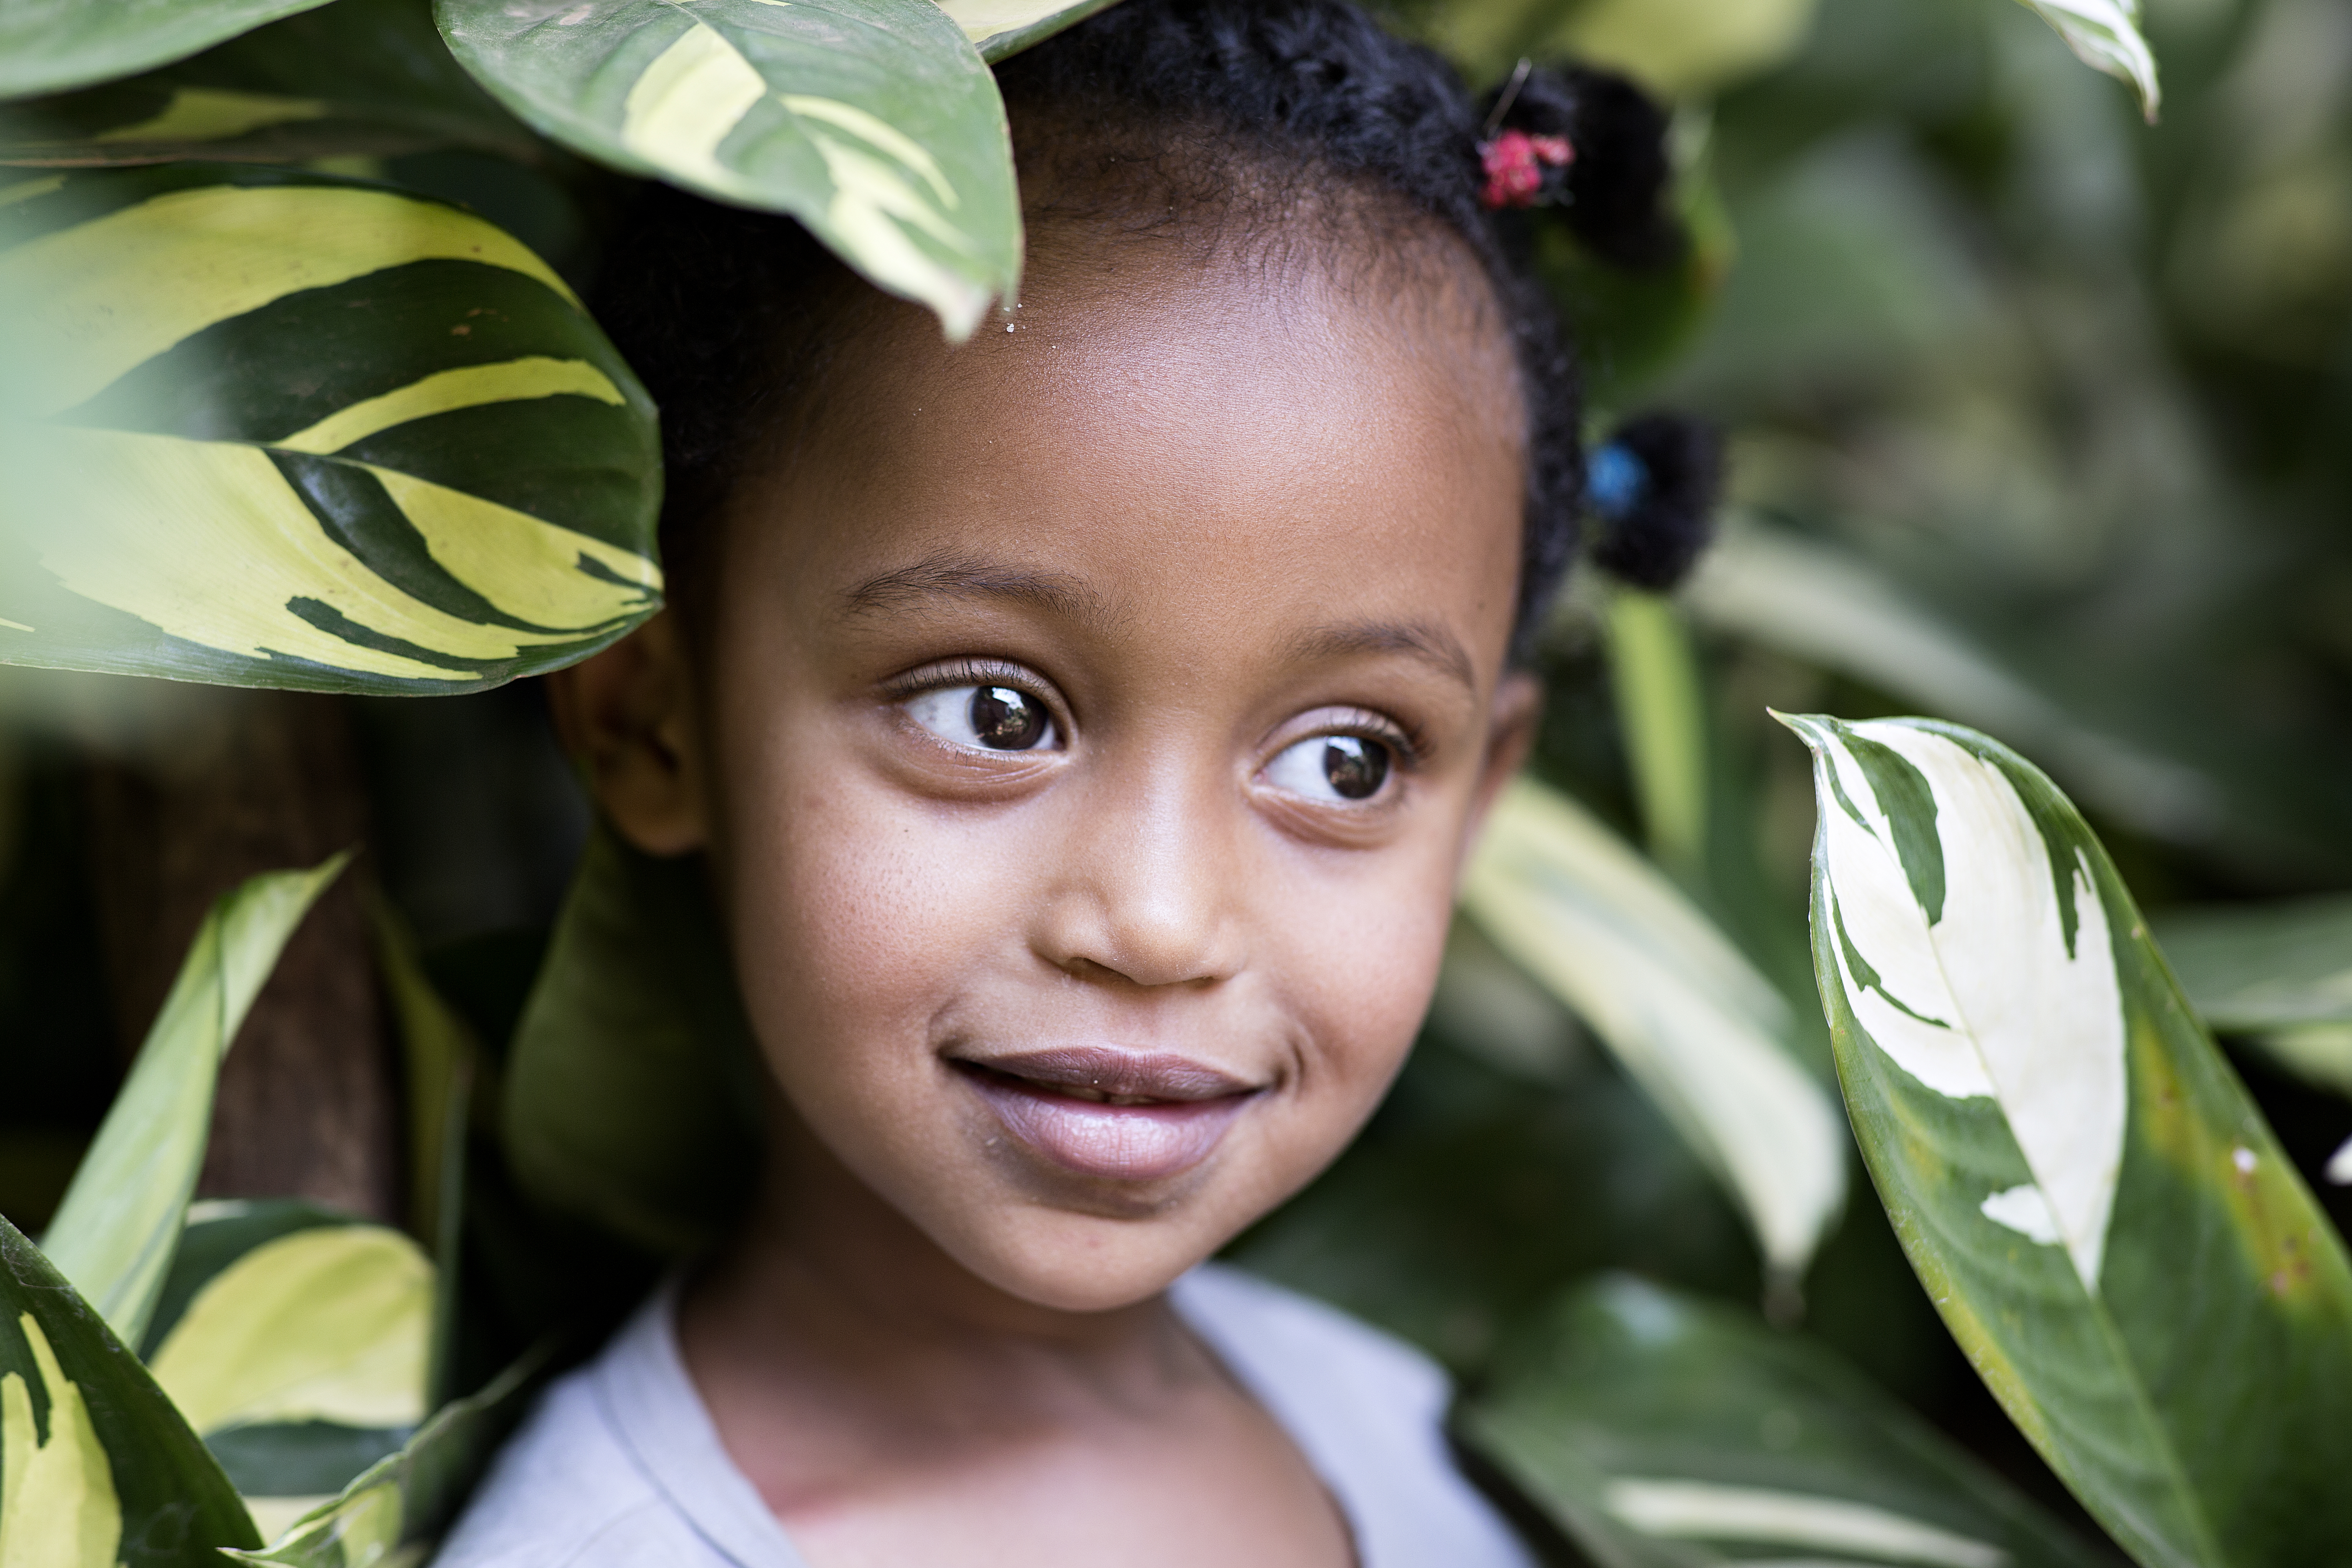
1651, 488
1592, 145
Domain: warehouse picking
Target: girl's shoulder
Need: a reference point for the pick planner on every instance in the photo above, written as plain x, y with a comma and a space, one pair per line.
619, 1467
1367, 1409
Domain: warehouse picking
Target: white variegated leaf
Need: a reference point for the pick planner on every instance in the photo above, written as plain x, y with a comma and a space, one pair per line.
2097, 1208
1963, 963
2105, 35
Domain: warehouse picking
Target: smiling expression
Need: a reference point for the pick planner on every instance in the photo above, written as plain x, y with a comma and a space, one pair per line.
1091, 723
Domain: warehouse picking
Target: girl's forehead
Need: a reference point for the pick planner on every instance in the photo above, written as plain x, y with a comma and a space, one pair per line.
1165, 434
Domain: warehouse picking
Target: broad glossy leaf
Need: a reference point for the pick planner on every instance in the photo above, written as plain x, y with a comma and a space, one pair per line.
1000, 29
293, 1338
97, 1469
631, 1089
1661, 1432
2105, 35
264, 429
875, 122
118, 1224
357, 78
49, 45
1687, 1015
406, 1499
2263, 966
2090, 1197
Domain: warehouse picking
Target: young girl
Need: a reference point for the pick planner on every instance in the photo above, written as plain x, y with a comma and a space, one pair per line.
1084, 729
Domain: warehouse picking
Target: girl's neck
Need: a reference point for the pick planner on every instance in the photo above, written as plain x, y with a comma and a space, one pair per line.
827, 1279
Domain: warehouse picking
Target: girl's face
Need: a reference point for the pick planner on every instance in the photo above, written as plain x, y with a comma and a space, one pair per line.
1092, 722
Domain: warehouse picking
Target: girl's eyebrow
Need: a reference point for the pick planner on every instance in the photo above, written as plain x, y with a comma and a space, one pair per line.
962, 577
1432, 645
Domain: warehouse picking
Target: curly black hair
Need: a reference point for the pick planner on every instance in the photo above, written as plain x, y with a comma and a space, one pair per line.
1211, 117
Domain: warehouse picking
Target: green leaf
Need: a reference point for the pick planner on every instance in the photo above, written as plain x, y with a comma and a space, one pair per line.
406, 1499
632, 1088
2263, 966
1680, 48
1660, 1432
2105, 35
875, 122
443, 1061
97, 1469
264, 429
49, 45
358, 78
1663, 713
1688, 1017
1000, 29
115, 1231
2092, 1200
1828, 606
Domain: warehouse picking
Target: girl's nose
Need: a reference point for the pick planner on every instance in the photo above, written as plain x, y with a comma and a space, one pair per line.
1150, 891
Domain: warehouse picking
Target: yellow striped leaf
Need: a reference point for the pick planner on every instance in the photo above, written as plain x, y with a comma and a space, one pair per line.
274, 430
875, 122
96, 1467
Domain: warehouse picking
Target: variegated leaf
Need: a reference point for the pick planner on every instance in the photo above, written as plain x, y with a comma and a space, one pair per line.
1002, 29
2095, 1206
97, 1469
360, 79
118, 1225
294, 1339
2105, 35
1684, 1013
266, 428
875, 122
50, 45
1662, 1432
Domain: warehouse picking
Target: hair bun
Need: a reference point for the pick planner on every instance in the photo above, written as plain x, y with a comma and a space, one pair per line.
1652, 487
1613, 190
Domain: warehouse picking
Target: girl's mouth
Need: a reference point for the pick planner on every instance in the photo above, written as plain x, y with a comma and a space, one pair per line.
1112, 1114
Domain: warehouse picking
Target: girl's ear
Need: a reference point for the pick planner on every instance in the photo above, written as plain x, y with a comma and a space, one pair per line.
626, 717
1518, 709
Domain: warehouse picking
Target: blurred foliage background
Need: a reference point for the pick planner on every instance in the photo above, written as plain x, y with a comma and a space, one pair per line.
2036, 417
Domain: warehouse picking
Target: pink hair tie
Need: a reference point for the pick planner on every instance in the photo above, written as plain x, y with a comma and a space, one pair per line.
1515, 163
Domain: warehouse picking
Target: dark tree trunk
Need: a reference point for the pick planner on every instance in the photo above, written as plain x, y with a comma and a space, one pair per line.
307, 1105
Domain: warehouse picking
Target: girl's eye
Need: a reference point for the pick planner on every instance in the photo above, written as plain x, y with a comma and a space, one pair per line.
987, 717
1331, 768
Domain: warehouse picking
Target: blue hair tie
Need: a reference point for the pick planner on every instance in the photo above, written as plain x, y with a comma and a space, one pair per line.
1616, 482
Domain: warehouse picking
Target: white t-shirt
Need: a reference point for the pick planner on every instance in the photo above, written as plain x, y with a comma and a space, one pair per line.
620, 1467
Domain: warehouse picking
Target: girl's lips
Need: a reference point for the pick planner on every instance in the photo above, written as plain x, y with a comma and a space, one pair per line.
1109, 1114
